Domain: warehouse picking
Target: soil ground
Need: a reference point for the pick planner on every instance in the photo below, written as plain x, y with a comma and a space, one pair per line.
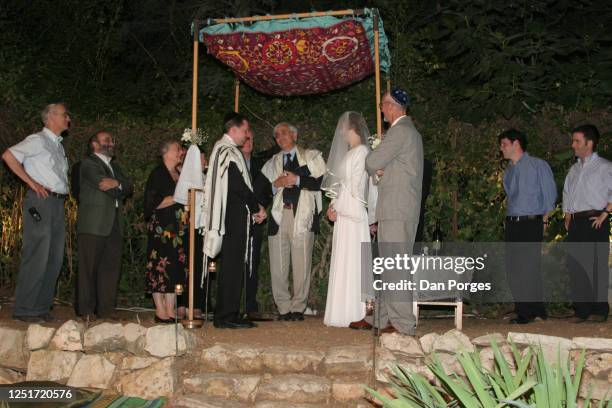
313, 334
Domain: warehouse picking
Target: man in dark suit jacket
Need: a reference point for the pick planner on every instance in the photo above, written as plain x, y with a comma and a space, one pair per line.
225, 227
103, 187
252, 280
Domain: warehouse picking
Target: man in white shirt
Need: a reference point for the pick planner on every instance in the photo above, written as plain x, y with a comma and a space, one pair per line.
39, 160
587, 203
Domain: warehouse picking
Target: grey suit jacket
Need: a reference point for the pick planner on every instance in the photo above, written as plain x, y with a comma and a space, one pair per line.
400, 155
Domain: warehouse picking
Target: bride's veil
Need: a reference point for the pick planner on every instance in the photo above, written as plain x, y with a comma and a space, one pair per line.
339, 148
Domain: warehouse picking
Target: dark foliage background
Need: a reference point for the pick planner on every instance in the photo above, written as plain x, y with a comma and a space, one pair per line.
472, 69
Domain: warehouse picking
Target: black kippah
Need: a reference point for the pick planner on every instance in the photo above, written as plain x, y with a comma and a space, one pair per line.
229, 116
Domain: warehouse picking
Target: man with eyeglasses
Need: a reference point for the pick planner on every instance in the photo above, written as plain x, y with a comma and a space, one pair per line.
40, 162
397, 163
103, 189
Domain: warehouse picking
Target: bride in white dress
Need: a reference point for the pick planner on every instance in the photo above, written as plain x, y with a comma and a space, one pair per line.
352, 208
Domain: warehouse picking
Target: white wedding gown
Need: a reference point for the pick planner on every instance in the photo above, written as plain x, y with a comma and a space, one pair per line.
344, 292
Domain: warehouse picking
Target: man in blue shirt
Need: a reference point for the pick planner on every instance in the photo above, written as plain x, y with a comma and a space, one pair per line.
531, 193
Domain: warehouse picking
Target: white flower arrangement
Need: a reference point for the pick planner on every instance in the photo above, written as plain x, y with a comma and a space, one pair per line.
197, 137
374, 141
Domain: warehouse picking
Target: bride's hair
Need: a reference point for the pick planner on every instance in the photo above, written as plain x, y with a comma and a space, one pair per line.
357, 123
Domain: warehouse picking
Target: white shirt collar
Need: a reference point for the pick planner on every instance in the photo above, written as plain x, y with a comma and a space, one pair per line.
589, 158
52, 136
291, 152
397, 120
104, 158
229, 138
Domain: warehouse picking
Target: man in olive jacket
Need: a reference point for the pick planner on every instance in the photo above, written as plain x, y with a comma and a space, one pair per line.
103, 188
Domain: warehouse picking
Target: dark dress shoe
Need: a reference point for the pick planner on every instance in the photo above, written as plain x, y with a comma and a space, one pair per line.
49, 318
256, 317
234, 324
598, 318
30, 319
247, 322
389, 329
521, 320
285, 317
360, 325
297, 316
87, 318
163, 321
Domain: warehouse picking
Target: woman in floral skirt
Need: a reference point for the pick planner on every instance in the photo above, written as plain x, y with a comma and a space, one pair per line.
166, 231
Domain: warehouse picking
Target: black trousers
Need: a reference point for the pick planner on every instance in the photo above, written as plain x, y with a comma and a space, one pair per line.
99, 271
589, 249
252, 280
523, 266
233, 266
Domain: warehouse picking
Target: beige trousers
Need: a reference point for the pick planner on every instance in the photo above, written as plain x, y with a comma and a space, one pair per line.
285, 249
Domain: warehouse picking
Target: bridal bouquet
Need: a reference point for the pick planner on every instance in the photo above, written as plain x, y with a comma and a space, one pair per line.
196, 137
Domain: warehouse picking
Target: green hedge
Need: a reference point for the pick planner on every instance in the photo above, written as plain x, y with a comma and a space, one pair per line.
466, 191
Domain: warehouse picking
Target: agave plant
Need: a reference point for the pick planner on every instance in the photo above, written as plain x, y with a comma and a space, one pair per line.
528, 383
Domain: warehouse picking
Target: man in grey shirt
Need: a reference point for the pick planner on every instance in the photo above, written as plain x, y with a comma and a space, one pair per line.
587, 202
39, 160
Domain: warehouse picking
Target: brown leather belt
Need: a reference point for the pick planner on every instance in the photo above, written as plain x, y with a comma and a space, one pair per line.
586, 214
287, 206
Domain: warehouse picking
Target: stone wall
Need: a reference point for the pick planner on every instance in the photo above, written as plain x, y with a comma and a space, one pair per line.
138, 361
130, 359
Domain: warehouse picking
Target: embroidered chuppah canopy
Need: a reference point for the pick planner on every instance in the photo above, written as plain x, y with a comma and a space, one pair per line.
283, 55
300, 56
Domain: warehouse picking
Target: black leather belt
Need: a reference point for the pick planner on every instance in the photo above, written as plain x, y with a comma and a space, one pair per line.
518, 218
586, 214
57, 195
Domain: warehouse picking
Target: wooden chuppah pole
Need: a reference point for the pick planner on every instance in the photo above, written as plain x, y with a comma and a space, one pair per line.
190, 323
194, 86
236, 94
349, 12
377, 74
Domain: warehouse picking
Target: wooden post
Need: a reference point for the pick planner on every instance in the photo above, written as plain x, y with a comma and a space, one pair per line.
194, 87
190, 323
338, 13
454, 195
377, 74
389, 85
236, 94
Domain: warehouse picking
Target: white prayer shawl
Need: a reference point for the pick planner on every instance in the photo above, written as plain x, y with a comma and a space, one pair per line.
309, 201
215, 195
191, 177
